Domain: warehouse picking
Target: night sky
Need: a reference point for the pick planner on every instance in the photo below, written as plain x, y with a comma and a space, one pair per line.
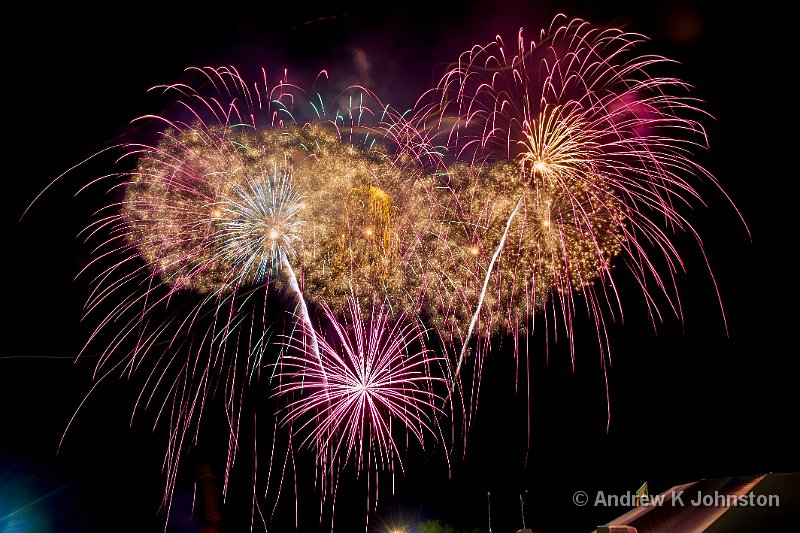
688, 400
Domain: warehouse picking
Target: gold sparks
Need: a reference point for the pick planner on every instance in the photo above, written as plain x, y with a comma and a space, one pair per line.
362, 236
567, 231
380, 235
557, 143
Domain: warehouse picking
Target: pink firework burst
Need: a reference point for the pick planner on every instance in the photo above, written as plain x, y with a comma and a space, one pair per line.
372, 381
567, 155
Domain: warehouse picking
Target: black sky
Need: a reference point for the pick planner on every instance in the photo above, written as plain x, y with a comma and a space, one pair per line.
687, 401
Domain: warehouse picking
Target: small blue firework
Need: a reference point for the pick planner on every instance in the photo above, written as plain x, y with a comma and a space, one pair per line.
260, 224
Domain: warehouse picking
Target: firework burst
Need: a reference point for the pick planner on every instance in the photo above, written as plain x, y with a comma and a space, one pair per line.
593, 146
373, 380
260, 223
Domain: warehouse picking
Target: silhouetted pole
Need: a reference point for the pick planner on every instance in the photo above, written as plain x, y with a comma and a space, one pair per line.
522, 508
489, 504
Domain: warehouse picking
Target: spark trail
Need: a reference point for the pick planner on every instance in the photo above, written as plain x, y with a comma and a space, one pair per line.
308, 328
483, 291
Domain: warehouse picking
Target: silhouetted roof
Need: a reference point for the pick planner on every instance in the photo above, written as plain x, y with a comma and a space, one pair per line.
769, 502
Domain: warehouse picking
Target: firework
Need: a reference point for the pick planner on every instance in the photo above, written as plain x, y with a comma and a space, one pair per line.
518, 185
236, 205
365, 219
259, 226
565, 156
372, 381
212, 211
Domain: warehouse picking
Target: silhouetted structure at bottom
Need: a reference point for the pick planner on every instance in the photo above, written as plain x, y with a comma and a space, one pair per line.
769, 502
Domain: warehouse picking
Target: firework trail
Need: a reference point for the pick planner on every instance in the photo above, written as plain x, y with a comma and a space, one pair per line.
308, 328
483, 291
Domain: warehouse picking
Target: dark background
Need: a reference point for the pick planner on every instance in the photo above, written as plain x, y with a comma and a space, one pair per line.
688, 401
